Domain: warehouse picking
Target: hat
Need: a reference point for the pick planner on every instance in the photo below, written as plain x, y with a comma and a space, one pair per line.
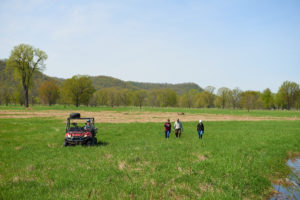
200, 121
88, 120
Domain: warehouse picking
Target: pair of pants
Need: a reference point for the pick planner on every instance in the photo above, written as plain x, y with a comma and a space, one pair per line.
167, 134
200, 133
178, 132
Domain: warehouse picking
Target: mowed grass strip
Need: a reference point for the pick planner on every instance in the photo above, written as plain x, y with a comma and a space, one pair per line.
234, 160
238, 112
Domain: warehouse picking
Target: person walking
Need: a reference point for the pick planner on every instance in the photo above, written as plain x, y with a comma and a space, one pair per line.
167, 126
200, 129
178, 128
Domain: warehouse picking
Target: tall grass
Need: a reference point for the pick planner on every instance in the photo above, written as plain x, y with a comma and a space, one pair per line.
234, 160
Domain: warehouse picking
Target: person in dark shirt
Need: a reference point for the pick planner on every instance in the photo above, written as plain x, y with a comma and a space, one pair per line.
167, 126
200, 129
89, 127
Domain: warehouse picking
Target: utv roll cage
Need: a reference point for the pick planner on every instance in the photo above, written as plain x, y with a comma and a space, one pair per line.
68, 125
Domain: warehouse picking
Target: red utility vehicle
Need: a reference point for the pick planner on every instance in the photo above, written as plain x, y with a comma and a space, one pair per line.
78, 133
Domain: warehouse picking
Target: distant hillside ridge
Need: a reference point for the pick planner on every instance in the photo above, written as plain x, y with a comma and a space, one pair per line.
109, 82
178, 88
7, 78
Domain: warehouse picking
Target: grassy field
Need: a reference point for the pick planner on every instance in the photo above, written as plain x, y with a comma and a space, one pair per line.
239, 112
235, 160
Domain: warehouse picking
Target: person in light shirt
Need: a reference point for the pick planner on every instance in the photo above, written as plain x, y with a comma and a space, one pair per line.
178, 128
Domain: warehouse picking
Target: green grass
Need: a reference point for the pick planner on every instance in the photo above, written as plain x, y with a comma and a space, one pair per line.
235, 160
256, 113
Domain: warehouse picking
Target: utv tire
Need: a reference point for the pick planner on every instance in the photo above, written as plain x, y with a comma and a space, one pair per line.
65, 144
75, 115
89, 142
94, 141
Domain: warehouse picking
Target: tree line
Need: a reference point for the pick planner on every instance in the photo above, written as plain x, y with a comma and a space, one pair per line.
25, 61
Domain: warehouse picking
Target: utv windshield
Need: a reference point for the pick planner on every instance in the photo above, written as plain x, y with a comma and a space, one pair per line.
77, 124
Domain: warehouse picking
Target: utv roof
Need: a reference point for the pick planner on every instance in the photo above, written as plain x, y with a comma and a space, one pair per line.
77, 116
82, 118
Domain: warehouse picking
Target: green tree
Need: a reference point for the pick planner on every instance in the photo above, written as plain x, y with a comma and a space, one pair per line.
166, 98
249, 99
200, 100
288, 93
78, 90
26, 60
153, 98
259, 104
267, 98
5, 95
170, 98
18, 96
210, 96
112, 97
49, 92
188, 98
297, 102
236, 98
93, 100
139, 97
102, 97
223, 97
278, 101
125, 97
1, 98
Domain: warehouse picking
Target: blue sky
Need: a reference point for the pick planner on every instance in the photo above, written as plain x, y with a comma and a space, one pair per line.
250, 44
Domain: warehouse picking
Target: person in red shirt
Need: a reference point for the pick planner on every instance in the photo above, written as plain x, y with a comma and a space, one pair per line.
167, 126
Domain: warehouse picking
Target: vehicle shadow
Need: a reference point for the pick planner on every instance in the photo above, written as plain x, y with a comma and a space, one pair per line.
102, 143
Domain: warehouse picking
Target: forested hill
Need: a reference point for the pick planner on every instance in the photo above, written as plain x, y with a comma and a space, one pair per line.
7, 78
178, 88
108, 82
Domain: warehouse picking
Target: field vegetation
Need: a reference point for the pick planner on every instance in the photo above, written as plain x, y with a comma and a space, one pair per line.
234, 160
